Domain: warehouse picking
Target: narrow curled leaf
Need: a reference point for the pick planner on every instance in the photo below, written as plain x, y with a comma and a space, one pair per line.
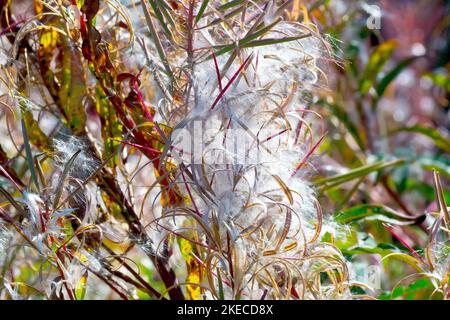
29, 155
439, 140
363, 171
63, 177
388, 78
373, 212
410, 260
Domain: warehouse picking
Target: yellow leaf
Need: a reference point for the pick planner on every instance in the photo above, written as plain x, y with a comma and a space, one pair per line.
36, 135
49, 40
193, 290
375, 65
73, 88
80, 289
38, 6
413, 262
187, 250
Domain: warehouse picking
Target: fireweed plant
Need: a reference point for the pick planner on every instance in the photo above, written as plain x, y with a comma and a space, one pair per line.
163, 150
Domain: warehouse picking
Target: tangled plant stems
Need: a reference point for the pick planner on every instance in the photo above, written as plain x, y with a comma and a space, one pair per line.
162, 150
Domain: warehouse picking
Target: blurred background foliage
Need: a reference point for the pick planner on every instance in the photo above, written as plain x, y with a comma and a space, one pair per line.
388, 100
383, 169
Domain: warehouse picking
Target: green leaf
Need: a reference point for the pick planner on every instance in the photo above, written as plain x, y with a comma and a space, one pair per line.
13, 202
417, 290
160, 17
355, 242
410, 260
373, 212
201, 10
363, 171
375, 65
219, 281
439, 140
165, 9
442, 165
35, 135
230, 4
271, 41
345, 119
73, 88
80, 290
440, 80
382, 249
387, 79
350, 239
29, 155
246, 43
155, 36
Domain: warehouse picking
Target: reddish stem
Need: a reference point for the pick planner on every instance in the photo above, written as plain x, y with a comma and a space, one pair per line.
307, 156
274, 135
299, 128
396, 236
219, 78
190, 195
229, 83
